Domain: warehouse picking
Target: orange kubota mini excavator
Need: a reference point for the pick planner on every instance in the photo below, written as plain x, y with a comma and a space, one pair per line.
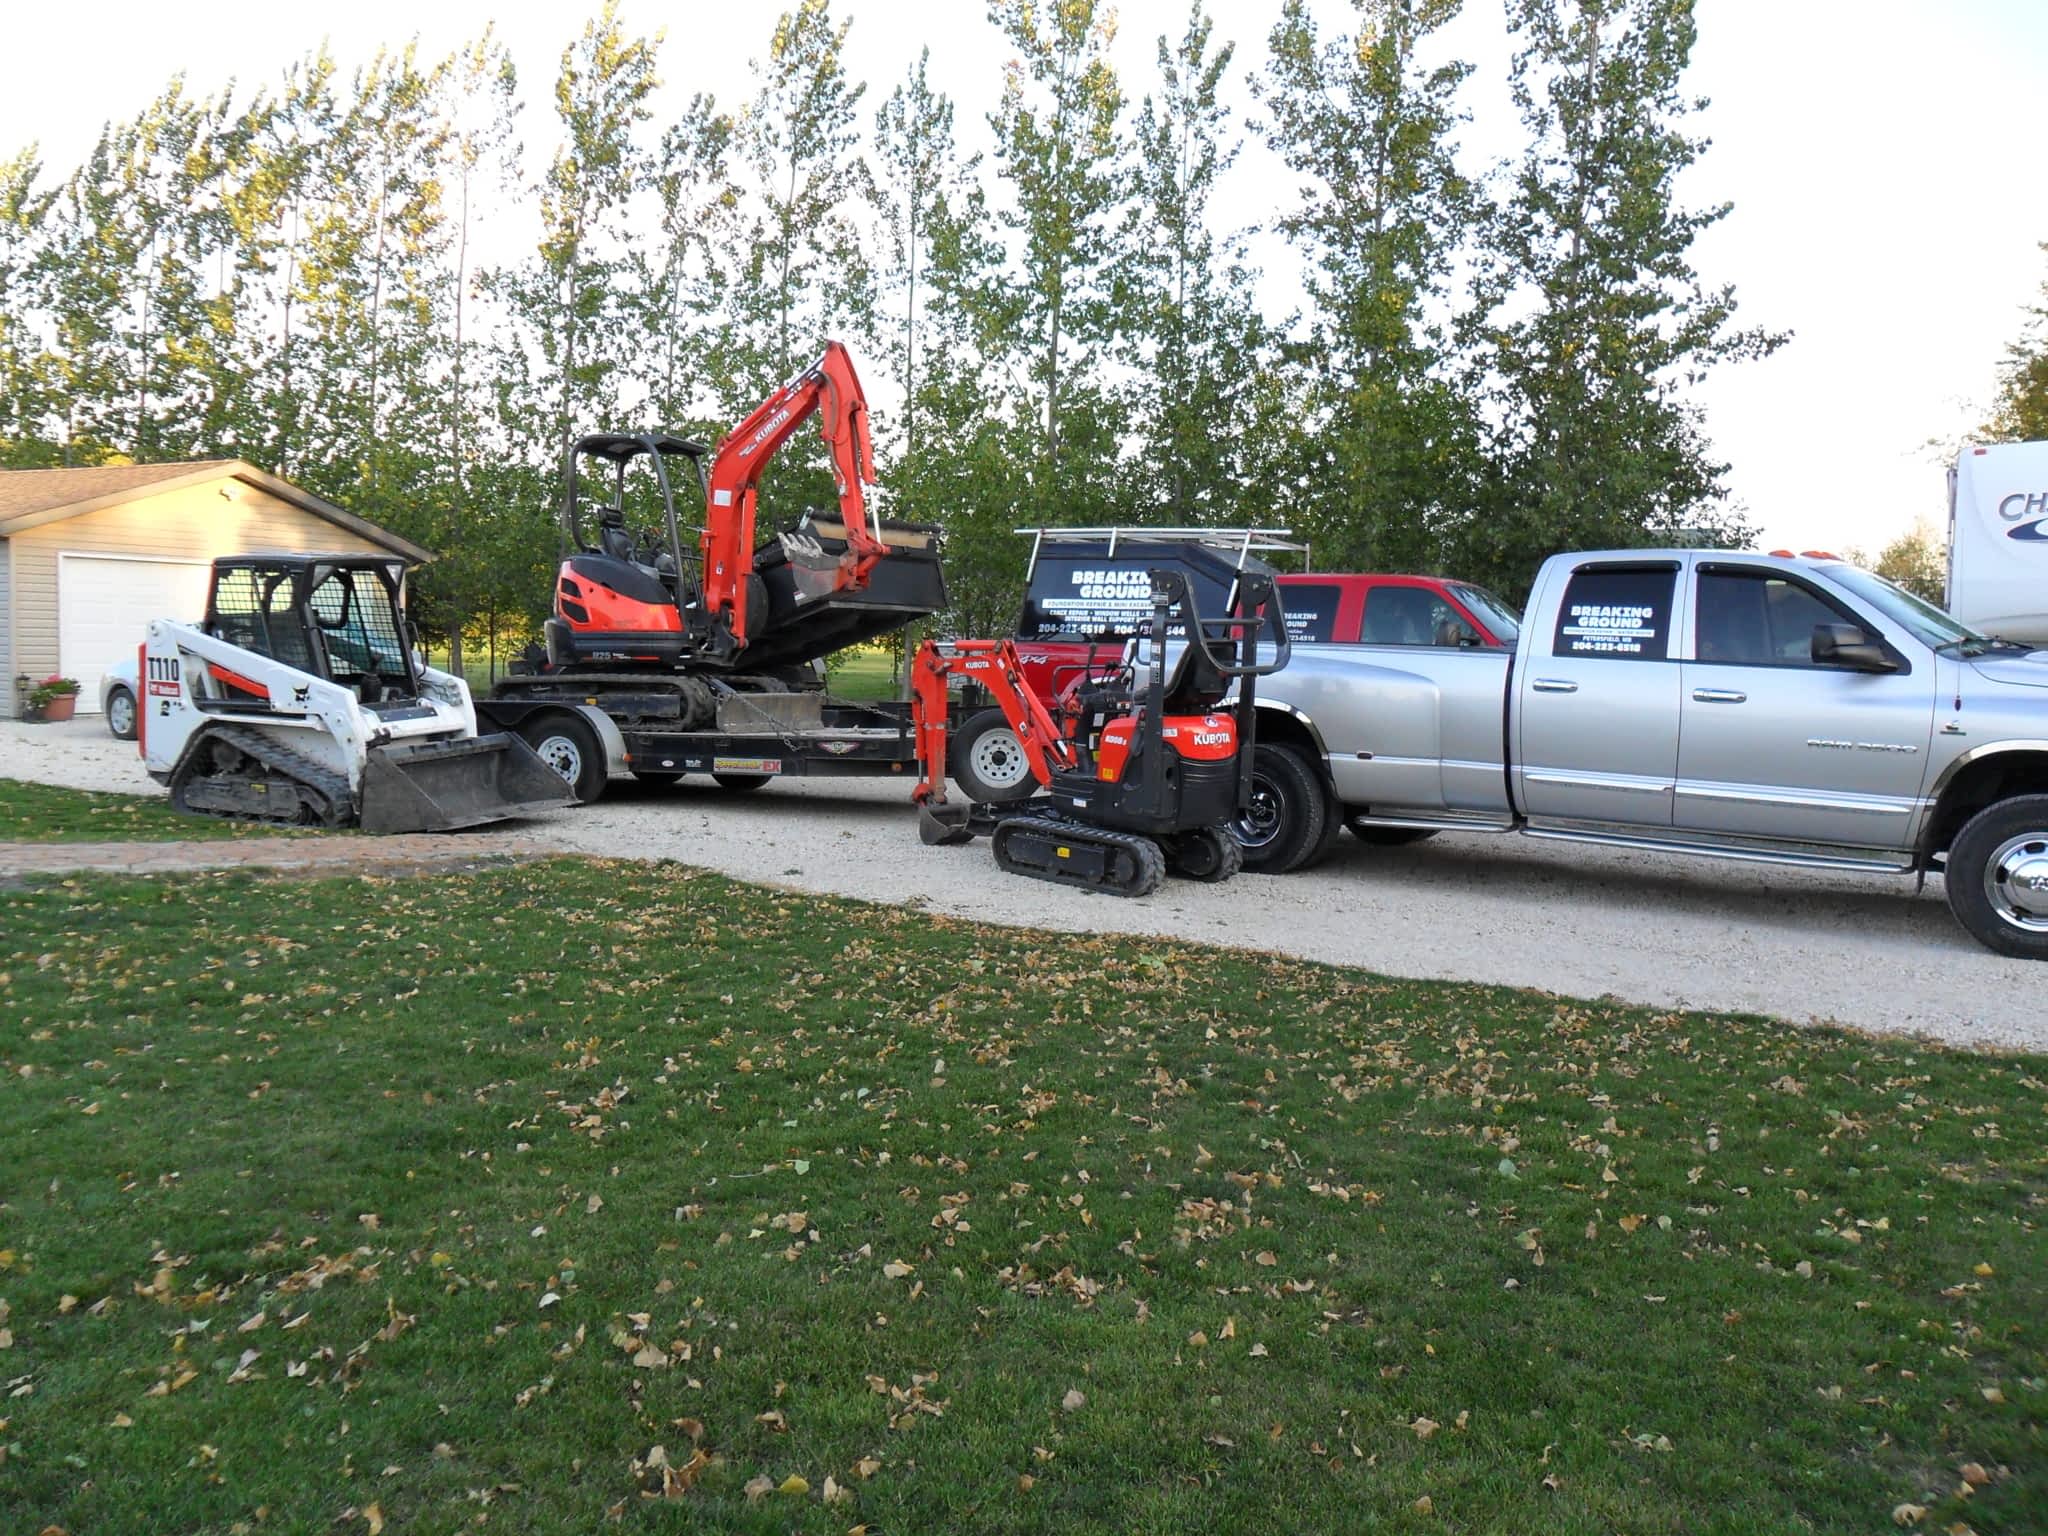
638, 600
1144, 770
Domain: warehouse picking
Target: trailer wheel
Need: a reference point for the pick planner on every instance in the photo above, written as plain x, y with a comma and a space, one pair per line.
740, 783
570, 747
1377, 836
657, 778
1997, 877
988, 762
1288, 824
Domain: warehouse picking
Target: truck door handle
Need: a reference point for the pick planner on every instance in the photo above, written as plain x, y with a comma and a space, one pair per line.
1718, 696
1554, 685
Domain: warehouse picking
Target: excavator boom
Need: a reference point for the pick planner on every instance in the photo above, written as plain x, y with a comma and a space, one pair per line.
831, 388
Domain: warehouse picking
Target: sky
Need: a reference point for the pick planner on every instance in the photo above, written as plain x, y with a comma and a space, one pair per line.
1883, 159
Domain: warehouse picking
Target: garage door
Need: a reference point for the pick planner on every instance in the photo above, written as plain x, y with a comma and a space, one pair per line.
103, 604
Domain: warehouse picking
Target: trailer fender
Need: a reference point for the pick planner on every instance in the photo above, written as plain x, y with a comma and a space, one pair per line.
509, 714
616, 758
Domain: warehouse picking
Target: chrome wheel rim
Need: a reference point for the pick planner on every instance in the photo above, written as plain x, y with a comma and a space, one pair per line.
2016, 881
998, 760
1259, 822
562, 755
120, 714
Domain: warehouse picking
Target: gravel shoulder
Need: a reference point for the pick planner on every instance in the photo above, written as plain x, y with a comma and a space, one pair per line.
1809, 946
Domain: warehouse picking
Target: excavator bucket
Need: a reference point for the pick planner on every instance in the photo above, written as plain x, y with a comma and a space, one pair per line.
944, 826
437, 786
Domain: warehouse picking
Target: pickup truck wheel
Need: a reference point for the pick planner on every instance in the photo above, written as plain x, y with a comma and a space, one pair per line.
1997, 877
1290, 820
1376, 836
987, 761
568, 745
657, 778
740, 783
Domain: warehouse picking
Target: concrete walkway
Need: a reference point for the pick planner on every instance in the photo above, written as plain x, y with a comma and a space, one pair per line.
298, 855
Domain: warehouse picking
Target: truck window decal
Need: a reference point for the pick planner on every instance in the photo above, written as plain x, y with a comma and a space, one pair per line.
1311, 609
1620, 614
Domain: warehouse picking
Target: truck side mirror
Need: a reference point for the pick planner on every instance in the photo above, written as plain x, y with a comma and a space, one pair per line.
1848, 646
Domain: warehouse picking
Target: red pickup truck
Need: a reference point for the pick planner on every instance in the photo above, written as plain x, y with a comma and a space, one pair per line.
1395, 610
1088, 589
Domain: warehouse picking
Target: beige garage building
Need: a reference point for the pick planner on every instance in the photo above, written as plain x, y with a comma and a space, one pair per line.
88, 556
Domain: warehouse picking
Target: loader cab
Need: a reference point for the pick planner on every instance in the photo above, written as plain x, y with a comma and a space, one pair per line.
340, 617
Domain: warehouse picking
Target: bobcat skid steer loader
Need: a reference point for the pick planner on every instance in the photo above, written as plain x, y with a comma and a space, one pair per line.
298, 699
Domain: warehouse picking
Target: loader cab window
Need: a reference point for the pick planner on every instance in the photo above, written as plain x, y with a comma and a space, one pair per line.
253, 608
357, 621
1617, 613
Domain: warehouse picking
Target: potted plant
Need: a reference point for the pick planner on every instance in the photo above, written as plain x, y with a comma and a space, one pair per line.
53, 699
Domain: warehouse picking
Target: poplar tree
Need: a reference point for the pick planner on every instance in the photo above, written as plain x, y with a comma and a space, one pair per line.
681, 282
1382, 452
1192, 335
1058, 148
928, 200
798, 270
24, 393
563, 371
1598, 322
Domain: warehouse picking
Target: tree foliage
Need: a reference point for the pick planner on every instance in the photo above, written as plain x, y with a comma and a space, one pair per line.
1594, 322
406, 284
2019, 412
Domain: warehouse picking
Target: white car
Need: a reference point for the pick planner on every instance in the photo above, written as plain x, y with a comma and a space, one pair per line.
117, 697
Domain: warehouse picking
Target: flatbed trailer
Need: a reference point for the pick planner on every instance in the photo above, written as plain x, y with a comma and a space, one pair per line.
587, 728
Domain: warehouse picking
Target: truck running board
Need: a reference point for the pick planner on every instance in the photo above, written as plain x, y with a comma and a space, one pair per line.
1785, 856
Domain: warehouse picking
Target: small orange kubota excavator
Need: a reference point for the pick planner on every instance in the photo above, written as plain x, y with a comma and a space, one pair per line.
642, 600
1144, 770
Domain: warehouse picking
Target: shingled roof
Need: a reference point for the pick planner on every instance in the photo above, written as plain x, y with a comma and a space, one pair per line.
24, 491
31, 497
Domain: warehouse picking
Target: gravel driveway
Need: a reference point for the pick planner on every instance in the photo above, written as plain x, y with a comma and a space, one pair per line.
1583, 921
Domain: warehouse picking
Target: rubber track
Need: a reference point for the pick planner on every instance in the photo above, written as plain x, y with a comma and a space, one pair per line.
283, 762
1150, 860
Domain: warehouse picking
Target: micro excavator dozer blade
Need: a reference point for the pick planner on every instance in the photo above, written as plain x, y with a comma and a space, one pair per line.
437, 786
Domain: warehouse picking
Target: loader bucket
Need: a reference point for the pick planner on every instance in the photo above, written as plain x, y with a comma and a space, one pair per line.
437, 786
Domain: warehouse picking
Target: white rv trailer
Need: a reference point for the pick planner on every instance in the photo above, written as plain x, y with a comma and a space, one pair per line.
1998, 540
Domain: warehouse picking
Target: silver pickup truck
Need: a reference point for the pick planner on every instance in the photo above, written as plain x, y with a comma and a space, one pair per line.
1771, 708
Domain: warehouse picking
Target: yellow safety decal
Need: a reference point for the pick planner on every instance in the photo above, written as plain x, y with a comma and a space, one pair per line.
1066, 853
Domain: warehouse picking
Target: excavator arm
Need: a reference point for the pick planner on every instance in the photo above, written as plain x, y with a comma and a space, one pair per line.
995, 665
831, 388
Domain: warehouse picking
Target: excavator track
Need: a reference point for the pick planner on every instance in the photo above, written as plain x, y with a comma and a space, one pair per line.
1070, 853
272, 783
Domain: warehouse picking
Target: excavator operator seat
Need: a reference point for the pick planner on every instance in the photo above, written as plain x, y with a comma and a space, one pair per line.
612, 538
1192, 683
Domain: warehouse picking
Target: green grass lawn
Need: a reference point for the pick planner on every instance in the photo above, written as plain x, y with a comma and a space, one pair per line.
429, 1204
44, 813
